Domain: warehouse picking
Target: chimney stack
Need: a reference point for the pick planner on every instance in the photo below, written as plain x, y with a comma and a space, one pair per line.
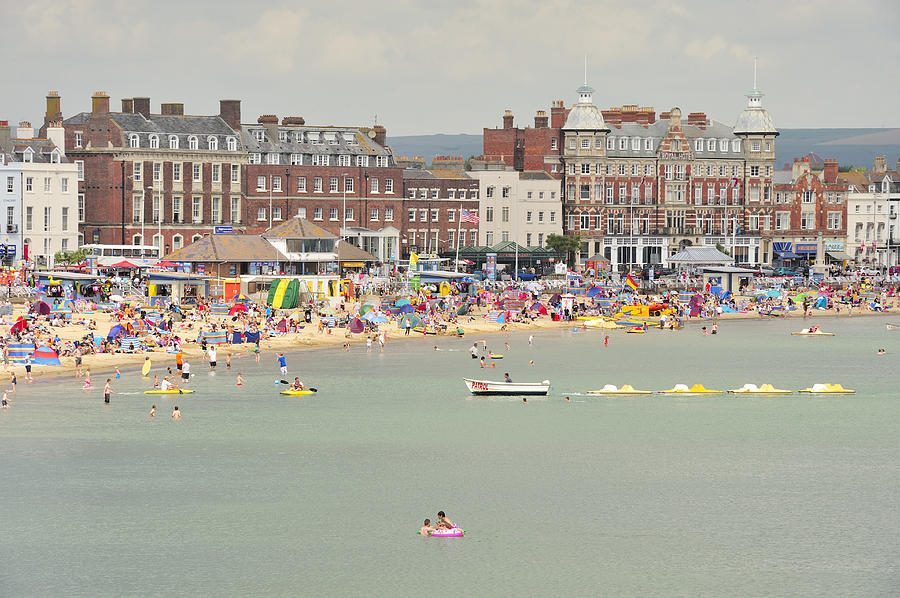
293, 120
540, 120
127, 106
142, 106
54, 111
380, 135
267, 119
100, 103
171, 109
557, 114
508, 120
230, 112
880, 164
24, 130
829, 175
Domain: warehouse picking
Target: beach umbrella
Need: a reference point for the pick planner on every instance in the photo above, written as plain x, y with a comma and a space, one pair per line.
413, 321
378, 319
366, 308
401, 302
21, 324
41, 308
773, 293
237, 308
165, 264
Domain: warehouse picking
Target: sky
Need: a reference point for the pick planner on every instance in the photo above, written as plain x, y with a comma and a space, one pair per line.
422, 67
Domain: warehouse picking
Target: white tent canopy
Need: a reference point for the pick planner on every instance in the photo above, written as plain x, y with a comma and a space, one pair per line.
701, 256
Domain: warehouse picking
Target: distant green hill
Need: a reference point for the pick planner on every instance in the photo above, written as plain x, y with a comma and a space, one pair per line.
847, 146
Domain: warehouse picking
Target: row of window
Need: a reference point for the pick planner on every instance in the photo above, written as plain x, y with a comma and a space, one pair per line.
177, 240
504, 215
490, 192
425, 242
504, 236
318, 184
311, 137
318, 213
318, 160
212, 142
178, 214
707, 223
412, 193
635, 144
177, 169
672, 171
30, 184
47, 220
28, 156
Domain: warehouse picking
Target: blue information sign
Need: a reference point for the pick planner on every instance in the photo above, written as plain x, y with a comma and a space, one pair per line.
222, 230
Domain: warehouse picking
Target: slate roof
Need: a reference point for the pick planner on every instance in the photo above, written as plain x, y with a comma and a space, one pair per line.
782, 177
348, 252
422, 174
298, 228
41, 149
312, 140
657, 132
165, 126
227, 248
585, 117
700, 255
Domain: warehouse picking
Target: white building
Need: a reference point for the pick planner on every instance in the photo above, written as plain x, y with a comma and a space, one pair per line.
523, 207
868, 219
39, 196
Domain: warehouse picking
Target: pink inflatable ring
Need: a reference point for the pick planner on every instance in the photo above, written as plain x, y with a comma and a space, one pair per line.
448, 533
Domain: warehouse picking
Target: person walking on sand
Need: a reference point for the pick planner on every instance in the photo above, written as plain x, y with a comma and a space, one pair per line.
176, 414
107, 391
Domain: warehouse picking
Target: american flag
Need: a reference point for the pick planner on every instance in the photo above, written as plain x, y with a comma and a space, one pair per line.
467, 216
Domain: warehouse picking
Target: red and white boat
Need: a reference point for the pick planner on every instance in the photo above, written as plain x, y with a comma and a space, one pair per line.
489, 387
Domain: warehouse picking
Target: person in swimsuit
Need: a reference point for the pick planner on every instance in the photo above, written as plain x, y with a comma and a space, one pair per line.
296, 384
107, 391
153, 411
176, 414
443, 521
87, 381
240, 379
426, 529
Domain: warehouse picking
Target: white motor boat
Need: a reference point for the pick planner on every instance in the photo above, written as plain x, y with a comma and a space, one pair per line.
489, 387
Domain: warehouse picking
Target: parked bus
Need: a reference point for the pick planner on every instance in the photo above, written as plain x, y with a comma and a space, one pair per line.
104, 256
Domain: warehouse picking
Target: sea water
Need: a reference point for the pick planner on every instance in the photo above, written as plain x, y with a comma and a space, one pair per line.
257, 494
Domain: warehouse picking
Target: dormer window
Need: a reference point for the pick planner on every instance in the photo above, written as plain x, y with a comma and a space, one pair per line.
723, 145
154, 142
623, 143
173, 141
698, 145
282, 136
231, 144
212, 142
610, 143
648, 143
54, 157
28, 155
298, 136
133, 140
736, 145
259, 135
710, 145
635, 143
193, 142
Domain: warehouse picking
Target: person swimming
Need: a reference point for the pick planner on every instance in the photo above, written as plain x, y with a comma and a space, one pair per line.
443, 521
426, 529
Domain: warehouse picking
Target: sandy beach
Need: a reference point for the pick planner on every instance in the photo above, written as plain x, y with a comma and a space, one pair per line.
475, 325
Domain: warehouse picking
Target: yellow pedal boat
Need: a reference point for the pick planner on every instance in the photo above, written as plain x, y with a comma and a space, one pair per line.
627, 389
696, 389
828, 389
806, 332
296, 393
765, 389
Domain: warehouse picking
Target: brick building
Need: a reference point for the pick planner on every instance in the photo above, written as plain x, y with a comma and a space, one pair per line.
343, 179
433, 204
637, 187
169, 175
810, 209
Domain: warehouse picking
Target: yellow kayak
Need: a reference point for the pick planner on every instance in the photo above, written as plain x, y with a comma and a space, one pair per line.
627, 389
827, 389
295, 393
696, 389
765, 389
168, 392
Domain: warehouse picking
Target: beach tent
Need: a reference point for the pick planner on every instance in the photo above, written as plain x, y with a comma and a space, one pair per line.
356, 325
463, 309
378, 319
822, 303
237, 308
116, 330
46, 356
413, 321
21, 324
406, 309
218, 310
366, 308
541, 308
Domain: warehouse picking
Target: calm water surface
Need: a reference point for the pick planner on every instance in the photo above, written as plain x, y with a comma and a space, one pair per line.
255, 494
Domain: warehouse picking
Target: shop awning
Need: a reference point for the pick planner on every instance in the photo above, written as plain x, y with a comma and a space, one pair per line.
838, 255
352, 265
786, 255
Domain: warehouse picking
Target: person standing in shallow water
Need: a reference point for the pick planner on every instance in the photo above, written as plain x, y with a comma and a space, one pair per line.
176, 414
107, 391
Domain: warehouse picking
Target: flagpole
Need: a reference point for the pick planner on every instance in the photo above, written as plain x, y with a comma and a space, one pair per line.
458, 231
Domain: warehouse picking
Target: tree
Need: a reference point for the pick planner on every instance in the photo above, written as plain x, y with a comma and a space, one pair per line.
563, 245
69, 258
721, 248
